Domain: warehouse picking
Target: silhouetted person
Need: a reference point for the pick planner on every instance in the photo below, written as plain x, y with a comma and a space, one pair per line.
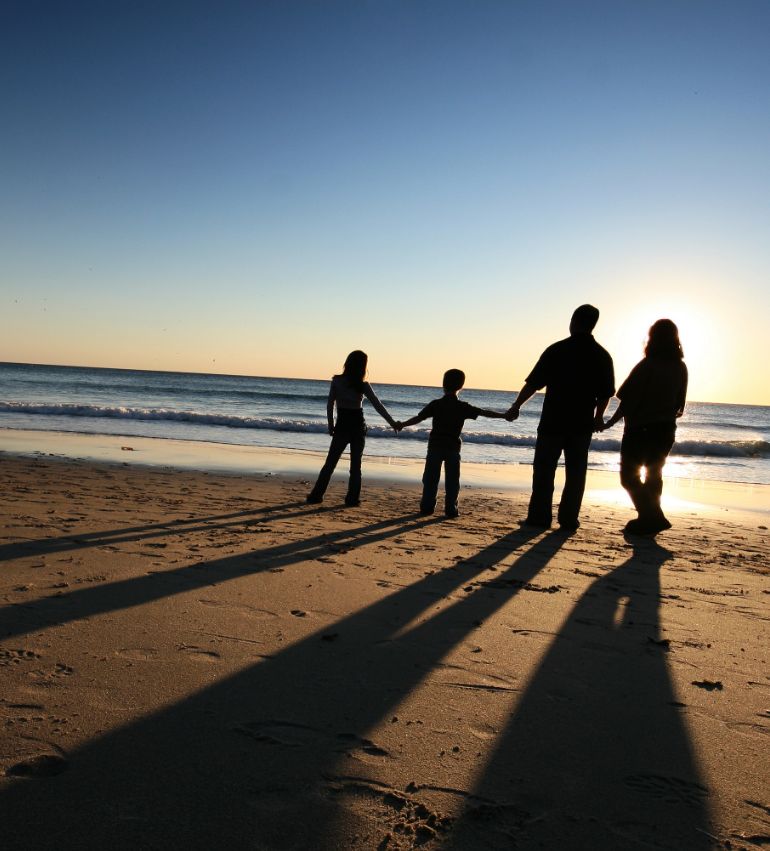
449, 415
651, 400
347, 392
579, 380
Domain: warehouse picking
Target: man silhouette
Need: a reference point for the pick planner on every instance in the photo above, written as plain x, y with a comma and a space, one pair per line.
579, 380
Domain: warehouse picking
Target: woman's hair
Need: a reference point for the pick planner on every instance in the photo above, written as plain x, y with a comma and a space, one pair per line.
663, 341
354, 370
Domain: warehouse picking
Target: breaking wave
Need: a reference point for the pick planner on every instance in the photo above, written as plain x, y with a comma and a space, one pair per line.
701, 448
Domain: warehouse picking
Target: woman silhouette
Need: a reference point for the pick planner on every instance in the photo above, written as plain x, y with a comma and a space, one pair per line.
651, 400
347, 392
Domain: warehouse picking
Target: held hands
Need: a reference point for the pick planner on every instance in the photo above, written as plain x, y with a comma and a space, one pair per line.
512, 413
397, 426
600, 425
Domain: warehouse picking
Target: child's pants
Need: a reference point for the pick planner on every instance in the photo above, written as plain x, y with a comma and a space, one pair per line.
450, 458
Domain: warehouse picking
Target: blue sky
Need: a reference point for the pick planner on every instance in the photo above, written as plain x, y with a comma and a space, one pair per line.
261, 187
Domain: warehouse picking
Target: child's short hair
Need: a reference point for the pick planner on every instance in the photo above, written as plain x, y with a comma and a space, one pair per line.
454, 379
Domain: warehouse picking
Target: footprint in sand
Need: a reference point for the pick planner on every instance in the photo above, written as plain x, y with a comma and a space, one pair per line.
16, 656
42, 765
399, 814
483, 732
62, 670
352, 743
34, 758
199, 653
291, 735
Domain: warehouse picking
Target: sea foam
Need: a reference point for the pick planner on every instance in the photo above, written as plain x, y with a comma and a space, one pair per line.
702, 448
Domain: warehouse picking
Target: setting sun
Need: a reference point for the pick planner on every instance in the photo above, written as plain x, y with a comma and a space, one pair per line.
696, 332
720, 351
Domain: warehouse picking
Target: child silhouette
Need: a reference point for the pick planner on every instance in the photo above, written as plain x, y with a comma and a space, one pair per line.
449, 415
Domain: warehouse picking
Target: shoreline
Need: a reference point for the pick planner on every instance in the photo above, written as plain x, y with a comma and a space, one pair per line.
680, 494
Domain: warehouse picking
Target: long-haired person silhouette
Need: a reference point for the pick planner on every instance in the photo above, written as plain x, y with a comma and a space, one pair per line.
347, 392
652, 398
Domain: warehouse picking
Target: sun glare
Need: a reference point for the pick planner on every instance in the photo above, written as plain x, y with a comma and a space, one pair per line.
697, 331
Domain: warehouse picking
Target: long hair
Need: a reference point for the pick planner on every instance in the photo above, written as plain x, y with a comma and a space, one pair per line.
663, 341
354, 370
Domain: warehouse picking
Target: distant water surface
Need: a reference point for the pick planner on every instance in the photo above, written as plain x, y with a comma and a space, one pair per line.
714, 441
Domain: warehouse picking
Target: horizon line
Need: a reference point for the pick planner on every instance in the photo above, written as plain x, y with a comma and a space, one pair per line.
297, 378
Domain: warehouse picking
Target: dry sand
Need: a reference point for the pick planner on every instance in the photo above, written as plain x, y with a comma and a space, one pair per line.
201, 661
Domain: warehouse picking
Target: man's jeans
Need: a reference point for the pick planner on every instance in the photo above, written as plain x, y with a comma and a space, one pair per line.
548, 449
450, 458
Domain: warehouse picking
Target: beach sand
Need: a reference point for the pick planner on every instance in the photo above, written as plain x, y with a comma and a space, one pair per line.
200, 660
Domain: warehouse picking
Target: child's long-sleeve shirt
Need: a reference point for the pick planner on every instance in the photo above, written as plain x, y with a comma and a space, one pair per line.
449, 415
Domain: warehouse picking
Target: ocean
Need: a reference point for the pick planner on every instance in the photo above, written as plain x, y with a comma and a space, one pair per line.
721, 442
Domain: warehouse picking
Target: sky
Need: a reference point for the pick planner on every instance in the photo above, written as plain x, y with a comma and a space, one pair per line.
260, 187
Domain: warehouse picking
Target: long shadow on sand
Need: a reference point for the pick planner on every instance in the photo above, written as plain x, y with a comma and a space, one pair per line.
246, 762
130, 534
596, 755
55, 610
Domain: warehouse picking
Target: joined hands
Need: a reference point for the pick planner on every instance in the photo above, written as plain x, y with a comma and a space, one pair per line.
512, 414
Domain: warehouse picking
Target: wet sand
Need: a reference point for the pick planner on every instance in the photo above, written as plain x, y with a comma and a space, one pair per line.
198, 660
